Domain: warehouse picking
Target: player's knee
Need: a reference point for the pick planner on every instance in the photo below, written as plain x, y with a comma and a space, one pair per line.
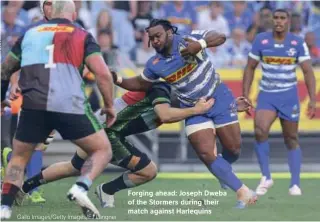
77, 162
152, 171
291, 141
261, 133
207, 156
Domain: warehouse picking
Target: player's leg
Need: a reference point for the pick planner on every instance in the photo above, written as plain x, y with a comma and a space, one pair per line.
290, 134
86, 132
289, 113
141, 169
265, 115
33, 128
201, 135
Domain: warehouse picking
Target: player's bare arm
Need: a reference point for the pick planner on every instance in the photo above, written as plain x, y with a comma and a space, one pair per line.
211, 39
136, 83
96, 64
9, 66
168, 114
248, 76
311, 86
14, 89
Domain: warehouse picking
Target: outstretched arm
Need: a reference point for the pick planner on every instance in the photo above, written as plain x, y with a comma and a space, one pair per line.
137, 83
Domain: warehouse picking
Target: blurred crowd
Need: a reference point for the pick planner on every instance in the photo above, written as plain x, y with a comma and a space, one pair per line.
118, 26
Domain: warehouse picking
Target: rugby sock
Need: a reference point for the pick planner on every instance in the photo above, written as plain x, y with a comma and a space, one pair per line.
35, 165
33, 183
223, 171
84, 182
294, 161
229, 156
120, 183
262, 150
8, 195
9, 156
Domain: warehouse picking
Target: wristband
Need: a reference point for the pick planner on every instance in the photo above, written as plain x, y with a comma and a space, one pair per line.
119, 80
203, 43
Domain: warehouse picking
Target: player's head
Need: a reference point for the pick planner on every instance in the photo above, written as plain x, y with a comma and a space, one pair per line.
46, 8
64, 9
281, 20
160, 32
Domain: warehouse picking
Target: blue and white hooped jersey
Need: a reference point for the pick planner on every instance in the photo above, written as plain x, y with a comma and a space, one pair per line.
192, 78
278, 60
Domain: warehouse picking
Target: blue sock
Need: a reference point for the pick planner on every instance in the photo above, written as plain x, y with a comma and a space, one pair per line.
9, 156
294, 160
262, 150
229, 156
84, 182
223, 171
35, 165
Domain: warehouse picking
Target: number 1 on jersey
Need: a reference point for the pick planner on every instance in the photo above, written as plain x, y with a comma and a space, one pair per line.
50, 63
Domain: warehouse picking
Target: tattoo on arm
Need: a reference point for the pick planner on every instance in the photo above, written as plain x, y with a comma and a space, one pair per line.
87, 166
9, 66
15, 173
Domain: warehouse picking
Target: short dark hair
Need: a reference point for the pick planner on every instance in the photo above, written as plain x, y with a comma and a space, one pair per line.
281, 10
265, 8
164, 23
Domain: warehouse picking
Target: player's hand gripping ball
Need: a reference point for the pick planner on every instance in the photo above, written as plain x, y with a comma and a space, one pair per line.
191, 50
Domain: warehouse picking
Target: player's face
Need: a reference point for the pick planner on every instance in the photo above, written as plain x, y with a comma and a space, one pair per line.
280, 22
47, 9
158, 37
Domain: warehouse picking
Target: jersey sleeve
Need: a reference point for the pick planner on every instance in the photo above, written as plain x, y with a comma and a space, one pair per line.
199, 34
148, 74
303, 52
90, 47
159, 95
255, 52
16, 50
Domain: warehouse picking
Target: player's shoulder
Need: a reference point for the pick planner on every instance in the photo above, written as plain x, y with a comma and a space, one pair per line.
295, 39
160, 86
263, 35
153, 62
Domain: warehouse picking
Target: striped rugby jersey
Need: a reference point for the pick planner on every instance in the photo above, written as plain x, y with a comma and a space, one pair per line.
52, 57
278, 60
192, 79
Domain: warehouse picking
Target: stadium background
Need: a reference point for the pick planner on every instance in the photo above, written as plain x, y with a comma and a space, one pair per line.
119, 27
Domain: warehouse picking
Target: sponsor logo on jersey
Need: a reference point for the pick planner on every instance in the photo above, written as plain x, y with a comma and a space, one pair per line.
273, 60
291, 52
265, 41
155, 61
181, 73
55, 29
294, 42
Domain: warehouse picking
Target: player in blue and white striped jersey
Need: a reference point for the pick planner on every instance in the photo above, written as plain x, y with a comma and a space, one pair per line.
183, 63
279, 52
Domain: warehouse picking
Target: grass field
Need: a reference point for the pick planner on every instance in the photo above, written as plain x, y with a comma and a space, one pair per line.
277, 205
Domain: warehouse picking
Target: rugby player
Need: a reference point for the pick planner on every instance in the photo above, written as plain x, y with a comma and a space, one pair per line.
51, 85
279, 52
137, 112
182, 62
34, 166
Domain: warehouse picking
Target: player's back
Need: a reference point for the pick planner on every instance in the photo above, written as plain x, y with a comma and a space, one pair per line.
52, 56
278, 60
135, 110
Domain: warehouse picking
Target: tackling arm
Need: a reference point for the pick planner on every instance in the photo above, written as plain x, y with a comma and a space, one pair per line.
168, 114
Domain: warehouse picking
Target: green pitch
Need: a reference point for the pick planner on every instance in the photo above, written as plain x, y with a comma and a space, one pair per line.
161, 200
